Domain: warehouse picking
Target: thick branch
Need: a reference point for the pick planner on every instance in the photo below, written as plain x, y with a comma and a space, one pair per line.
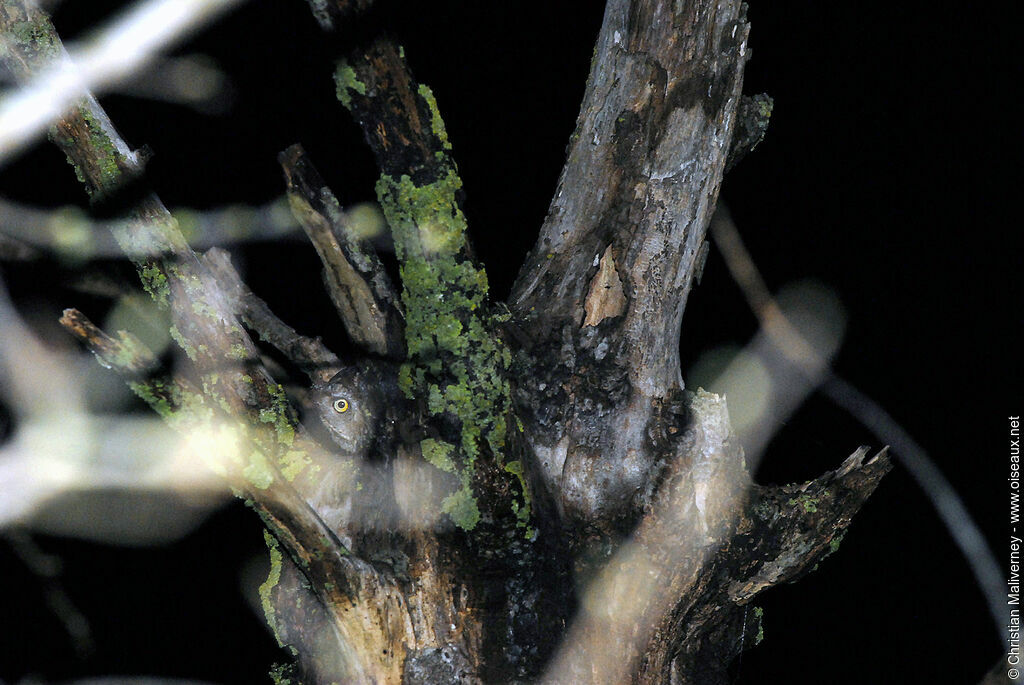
355, 277
670, 605
780, 535
643, 173
691, 518
599, 302
457, 362
399, 117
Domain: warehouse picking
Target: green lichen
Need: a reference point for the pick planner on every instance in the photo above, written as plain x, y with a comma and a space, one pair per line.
462, 507
436, 122
759, 615
202, 308
834, 544
212, 390
809, 504
37, 39
239, 353
345, 79
439, 454
294, 462
764, 509
282, 674
132, 353
154, 282
516, 469
186, 277
279, 414
109, 173
426, 220
179, 408
273, 578
183, 343
752, 117
258, 471
149, 392
456, 363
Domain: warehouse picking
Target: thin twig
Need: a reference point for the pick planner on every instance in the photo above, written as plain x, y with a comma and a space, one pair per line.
309, 354
69, 231
48, 569
126, 355
59, 80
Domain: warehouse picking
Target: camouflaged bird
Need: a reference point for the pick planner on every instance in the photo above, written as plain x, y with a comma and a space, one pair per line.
357, 406
360, 407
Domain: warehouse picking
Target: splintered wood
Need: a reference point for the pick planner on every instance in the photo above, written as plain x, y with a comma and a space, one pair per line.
605, 300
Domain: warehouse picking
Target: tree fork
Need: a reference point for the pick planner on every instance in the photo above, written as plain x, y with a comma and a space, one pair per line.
669, 537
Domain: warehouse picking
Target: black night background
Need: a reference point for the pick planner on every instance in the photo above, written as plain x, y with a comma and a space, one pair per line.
889, 174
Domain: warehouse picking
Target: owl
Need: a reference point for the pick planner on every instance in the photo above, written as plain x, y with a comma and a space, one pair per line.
351, 405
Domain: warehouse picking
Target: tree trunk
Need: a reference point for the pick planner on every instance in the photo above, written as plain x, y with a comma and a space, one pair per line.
498, 493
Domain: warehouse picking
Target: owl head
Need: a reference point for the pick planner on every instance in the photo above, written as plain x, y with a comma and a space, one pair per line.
351, 406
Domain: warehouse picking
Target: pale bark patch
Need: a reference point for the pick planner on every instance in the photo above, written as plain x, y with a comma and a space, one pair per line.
605, 300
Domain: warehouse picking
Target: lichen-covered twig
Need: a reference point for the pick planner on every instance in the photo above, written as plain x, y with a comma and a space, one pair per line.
796, 526
126, 355
457, 363
113, 54
359, 286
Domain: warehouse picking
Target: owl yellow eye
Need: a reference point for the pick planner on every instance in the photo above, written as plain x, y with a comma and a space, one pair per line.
341, 406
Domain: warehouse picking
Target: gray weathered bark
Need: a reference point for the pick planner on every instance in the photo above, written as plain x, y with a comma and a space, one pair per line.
639, 187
